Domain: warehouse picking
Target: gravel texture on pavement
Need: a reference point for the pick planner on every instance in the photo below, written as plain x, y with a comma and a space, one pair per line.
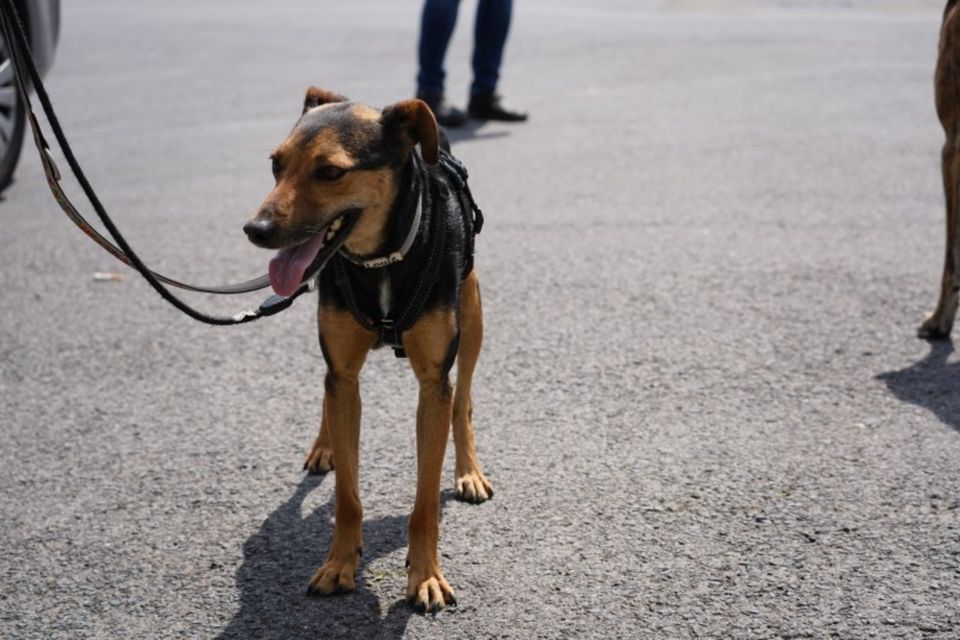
700, 401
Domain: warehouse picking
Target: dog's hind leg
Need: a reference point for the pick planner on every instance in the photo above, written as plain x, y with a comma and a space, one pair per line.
470, 484
431, 345
946, 84
940, 322
320, 458
345, 345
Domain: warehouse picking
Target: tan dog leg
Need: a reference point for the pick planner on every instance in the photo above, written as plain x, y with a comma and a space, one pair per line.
320, 459
345, 346
470, 484
429, 344
940, 322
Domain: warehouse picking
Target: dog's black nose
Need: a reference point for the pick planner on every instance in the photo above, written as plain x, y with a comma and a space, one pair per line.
260, 231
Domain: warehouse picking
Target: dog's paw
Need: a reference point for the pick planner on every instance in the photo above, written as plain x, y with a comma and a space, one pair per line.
334, 576
320, 460
472, 487
935, 327
429, 592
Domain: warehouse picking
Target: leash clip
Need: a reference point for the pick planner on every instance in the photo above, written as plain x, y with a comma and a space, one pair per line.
274, 304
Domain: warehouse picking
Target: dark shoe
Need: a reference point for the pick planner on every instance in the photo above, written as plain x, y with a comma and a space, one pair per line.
446, 115
486, 106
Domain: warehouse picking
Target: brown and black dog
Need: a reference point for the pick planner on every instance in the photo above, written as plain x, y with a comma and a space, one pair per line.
344, 179
947, 91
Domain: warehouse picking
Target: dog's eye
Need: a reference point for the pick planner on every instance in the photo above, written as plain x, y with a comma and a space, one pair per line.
277, 167
330, 172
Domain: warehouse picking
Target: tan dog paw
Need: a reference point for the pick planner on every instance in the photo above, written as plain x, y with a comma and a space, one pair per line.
472, 487
334, 576
429, 592
320, 460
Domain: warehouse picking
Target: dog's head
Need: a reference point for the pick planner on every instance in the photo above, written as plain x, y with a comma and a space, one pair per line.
336, 179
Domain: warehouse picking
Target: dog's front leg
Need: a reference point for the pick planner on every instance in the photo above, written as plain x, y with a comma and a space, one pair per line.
320, 458
345, 345
940, 322
431, 345
470, 484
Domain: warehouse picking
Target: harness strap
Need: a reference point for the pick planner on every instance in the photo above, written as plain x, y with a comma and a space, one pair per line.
342, 281
473, 216
390, 330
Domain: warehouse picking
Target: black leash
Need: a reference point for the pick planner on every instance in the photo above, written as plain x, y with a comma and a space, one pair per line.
25, 67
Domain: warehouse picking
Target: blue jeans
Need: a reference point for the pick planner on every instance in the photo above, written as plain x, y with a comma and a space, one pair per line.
489, 38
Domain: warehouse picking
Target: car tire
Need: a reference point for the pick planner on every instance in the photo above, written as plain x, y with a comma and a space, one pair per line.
12, 120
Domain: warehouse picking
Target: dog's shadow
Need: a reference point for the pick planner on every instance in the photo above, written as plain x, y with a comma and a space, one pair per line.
930, 383
280, 558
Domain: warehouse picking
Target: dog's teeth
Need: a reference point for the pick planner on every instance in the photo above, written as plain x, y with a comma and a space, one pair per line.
336, 224
329, 233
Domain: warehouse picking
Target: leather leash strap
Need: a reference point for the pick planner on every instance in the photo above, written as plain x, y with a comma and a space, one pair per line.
25, 69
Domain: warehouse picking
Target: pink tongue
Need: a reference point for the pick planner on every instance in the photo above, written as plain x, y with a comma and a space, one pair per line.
288, 266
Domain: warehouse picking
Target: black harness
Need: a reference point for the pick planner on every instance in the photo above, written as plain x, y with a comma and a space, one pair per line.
390, 329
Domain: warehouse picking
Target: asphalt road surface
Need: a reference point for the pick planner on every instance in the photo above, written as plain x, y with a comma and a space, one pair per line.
700, 402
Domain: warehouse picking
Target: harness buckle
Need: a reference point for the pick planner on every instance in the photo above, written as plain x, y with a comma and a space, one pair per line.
389, 336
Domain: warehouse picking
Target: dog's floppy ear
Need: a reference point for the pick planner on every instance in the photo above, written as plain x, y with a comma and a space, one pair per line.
317, 96
409, 122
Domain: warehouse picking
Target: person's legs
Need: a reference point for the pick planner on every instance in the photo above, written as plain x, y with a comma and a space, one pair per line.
490, 36
436, 27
